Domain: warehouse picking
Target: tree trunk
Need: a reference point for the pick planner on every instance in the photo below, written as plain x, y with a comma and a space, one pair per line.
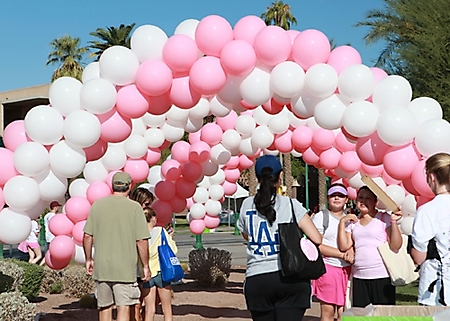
322, 182
287, 170
252, 180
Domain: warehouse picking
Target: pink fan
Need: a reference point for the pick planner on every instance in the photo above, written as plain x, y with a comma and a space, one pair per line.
309, 249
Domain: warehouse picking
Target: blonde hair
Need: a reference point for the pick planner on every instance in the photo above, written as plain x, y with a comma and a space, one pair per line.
439, 166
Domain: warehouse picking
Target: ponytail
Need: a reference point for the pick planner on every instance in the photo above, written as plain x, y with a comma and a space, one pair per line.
266, 195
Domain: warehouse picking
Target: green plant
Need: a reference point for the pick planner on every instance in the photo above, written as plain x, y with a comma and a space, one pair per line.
14, 306
6, 282
11, 276
210, 267
76, 282
32, 279
57, 287
51, 281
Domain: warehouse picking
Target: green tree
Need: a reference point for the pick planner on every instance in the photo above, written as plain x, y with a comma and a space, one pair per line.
417, 47
279, 14
111, 36
68, 55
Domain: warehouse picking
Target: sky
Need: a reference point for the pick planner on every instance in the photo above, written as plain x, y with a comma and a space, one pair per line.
28, 26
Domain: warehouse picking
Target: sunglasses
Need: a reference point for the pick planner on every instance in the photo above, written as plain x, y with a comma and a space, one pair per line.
147, 204
337, 195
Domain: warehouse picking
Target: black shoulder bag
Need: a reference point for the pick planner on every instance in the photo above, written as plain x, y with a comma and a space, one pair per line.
300, 258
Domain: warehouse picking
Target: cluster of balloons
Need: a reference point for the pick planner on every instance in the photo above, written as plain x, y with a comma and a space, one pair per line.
270, 91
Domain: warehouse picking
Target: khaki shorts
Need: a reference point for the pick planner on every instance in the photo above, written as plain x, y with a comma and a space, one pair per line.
120, 294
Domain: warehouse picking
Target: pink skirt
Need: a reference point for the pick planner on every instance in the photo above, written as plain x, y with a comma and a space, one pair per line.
23, 246
332, 286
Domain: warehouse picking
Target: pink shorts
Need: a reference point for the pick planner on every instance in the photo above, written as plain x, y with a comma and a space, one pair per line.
332, 286
23, 246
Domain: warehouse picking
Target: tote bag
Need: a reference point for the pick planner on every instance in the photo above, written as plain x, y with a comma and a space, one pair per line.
171, 270
300, 258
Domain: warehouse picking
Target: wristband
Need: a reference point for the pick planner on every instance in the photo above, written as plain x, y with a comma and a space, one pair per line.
393, 222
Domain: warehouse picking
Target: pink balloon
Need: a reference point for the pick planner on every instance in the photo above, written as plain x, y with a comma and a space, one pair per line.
351, 193
14, 135
272, 45
211, 134
302, 137
212, 34
283, 142
247, 28
232, 175
310, 47
233, 162
389, 180
183, 94
311, 156
350, 162
200, 151
238, 58
372, 171
399, 161
77, 232
2, 200
97, 190
246, 105
197, 226
378, 73
272, 107
342, 57
194, 137
62, 247
329, 159
158, 105
343, 144
245, 162
180, 151
185, 188
165, 190
7, 169
207, 75
154, 77
131, 102
211, 221
96, 151
371, 149
178, 204
191, 171
60, 224
229, 188
78, 208
409, 187
419, 180
323, 138
54, 263
228, 121
153, 156
163, 212
115, 127
189, 203
180, 52
137, 168
171, 170
421, 200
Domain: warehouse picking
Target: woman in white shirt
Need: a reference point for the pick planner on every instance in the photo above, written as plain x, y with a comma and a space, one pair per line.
31, 244
431, 235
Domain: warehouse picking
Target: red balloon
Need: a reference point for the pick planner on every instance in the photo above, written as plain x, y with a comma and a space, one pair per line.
191, 171
163, 212
165, 190
184, 188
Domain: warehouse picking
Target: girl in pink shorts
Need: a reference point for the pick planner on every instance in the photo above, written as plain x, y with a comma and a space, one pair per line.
31, 244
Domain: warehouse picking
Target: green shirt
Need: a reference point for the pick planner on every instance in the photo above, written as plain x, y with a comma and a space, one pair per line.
116, 223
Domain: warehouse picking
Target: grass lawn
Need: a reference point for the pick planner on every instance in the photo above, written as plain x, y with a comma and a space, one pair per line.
407, 295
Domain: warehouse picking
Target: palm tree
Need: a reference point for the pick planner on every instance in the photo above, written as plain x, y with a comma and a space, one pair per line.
279, 14
112, 36
67, 54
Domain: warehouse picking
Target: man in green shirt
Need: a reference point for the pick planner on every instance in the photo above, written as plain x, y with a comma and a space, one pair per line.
116, 226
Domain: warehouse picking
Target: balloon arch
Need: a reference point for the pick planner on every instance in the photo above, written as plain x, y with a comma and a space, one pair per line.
270, 91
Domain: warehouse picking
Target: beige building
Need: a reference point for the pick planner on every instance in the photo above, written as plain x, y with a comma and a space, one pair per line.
15, 104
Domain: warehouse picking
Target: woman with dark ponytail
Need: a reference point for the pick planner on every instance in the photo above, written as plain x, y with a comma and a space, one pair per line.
269, 295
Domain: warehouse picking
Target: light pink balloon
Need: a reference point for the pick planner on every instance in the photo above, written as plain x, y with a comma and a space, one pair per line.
96, 151
97, 190
163, 212
350, 162
154, 77
189, 203
165, 190
399, 161
191, 171
310, 47
212, 34
183, 94
211, 222
54, 263
185, 188
238, 58
247, 28
228, 121
233, 162
180, 52
62, 247
137, 168
283, 142
389, 180
229, 188
60, 224
207, 75
115, 127
158, 105
372, 171
302, 137
245, 162
77, 208
77, 232
311, 156
323, 138
329, 159
7, 169
232, 175
14, 135
211, 134
371, 149
343, 144
197, 226
352, 193
153, 156
194, 137
342, 57
171, 169
180, 151
378, 73
199, 152
272, 45
419, 180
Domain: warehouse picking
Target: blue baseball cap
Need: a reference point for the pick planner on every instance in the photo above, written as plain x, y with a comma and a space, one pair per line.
267, 161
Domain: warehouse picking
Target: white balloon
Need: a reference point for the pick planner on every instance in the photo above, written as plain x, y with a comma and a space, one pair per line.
397, 194
355, 181
21, 193
425, 108
205, 183
220, 155
321, 80
67, 160
154, 175
36, 212
153, 120
432, 137
64, 95
356, 82
328, 113
409, 206
78, 254
82, 128
216, 192
201, 109
230, 93
135, 146
392, 92
209, 168
14, 226
95, 172
262, 137
31, 159
91, 71
231, 139
218, 178
147, 42
247, 148
245, 125
187, 27
119, 65
177, 114
197, 211
287, 79
201, 195
51, 186
406, 225
172, 133
78, 187
114, 158
193, 125
213, 208
380, 182
138, 127
311, 123
360, 118
278, 124
255, 88
261, 116
44, 124
98, 96
219, 108
303, 105
397, 126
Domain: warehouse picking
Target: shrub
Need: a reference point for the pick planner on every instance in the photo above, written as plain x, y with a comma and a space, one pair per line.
51, 281
11, 276
14, 306
32, 279
57, 287
210, 267
76, 282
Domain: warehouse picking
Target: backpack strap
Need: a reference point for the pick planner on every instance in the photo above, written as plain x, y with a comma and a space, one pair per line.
325, 219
